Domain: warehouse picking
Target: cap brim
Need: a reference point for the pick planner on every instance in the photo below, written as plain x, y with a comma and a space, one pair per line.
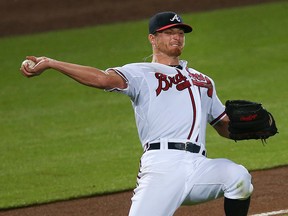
186, 28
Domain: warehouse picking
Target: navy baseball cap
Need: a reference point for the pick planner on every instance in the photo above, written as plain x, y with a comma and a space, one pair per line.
166, 20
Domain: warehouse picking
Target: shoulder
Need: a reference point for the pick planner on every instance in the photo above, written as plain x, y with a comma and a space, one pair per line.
138, 65
146, 69
134, 68
147, 65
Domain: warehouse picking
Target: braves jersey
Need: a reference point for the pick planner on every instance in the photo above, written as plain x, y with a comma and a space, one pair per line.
169, 102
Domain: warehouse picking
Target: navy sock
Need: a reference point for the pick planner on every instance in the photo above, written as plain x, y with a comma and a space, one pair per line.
234, 207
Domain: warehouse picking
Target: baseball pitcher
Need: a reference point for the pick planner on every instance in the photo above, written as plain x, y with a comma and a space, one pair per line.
173, 104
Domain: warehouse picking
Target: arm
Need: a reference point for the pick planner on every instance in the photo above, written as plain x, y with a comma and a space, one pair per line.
83, 74
222, 127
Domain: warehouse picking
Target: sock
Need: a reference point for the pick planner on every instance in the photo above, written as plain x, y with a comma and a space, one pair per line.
234, 207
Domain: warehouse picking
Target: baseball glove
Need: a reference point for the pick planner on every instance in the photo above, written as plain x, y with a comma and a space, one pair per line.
249, 120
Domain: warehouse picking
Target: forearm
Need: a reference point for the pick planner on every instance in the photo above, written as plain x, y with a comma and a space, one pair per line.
83, 74
86, 75
222, 127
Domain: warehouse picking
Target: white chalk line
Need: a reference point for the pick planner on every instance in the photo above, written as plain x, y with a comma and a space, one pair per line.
272, 213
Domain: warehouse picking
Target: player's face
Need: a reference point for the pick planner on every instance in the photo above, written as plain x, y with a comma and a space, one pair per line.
170, 41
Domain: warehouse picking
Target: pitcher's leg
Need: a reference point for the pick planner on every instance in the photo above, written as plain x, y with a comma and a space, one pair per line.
217, 177
154, 202
160, 189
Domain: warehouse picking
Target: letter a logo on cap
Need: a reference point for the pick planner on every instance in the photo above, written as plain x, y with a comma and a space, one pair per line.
176, 17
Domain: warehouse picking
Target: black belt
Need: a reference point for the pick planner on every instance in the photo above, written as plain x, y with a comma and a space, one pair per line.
191, 147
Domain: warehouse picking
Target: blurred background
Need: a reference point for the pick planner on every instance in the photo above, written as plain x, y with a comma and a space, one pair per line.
45, 15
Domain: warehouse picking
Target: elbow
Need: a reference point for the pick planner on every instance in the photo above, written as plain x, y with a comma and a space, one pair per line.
95, 81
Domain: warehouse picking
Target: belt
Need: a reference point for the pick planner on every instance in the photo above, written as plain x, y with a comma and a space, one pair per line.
191, 147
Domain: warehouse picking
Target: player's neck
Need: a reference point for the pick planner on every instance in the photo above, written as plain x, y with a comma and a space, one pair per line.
167, 60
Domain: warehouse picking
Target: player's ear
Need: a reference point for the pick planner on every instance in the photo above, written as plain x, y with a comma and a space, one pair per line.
151, 38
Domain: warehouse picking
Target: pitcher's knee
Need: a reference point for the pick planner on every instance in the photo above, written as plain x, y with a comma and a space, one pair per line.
240, 185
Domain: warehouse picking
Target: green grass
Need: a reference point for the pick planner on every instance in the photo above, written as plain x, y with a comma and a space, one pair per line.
61, 140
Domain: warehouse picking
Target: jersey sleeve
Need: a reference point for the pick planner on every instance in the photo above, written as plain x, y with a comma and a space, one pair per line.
217, 109
133, 77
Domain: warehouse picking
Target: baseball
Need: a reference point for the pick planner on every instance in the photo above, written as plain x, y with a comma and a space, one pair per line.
30, 63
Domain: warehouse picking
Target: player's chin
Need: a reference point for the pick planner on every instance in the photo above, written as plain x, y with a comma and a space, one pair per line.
176, 51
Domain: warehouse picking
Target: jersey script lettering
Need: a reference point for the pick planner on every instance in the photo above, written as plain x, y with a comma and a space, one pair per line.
166, 82
202, 81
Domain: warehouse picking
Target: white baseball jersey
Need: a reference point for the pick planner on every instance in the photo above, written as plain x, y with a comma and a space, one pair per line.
169, 102
174, 105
